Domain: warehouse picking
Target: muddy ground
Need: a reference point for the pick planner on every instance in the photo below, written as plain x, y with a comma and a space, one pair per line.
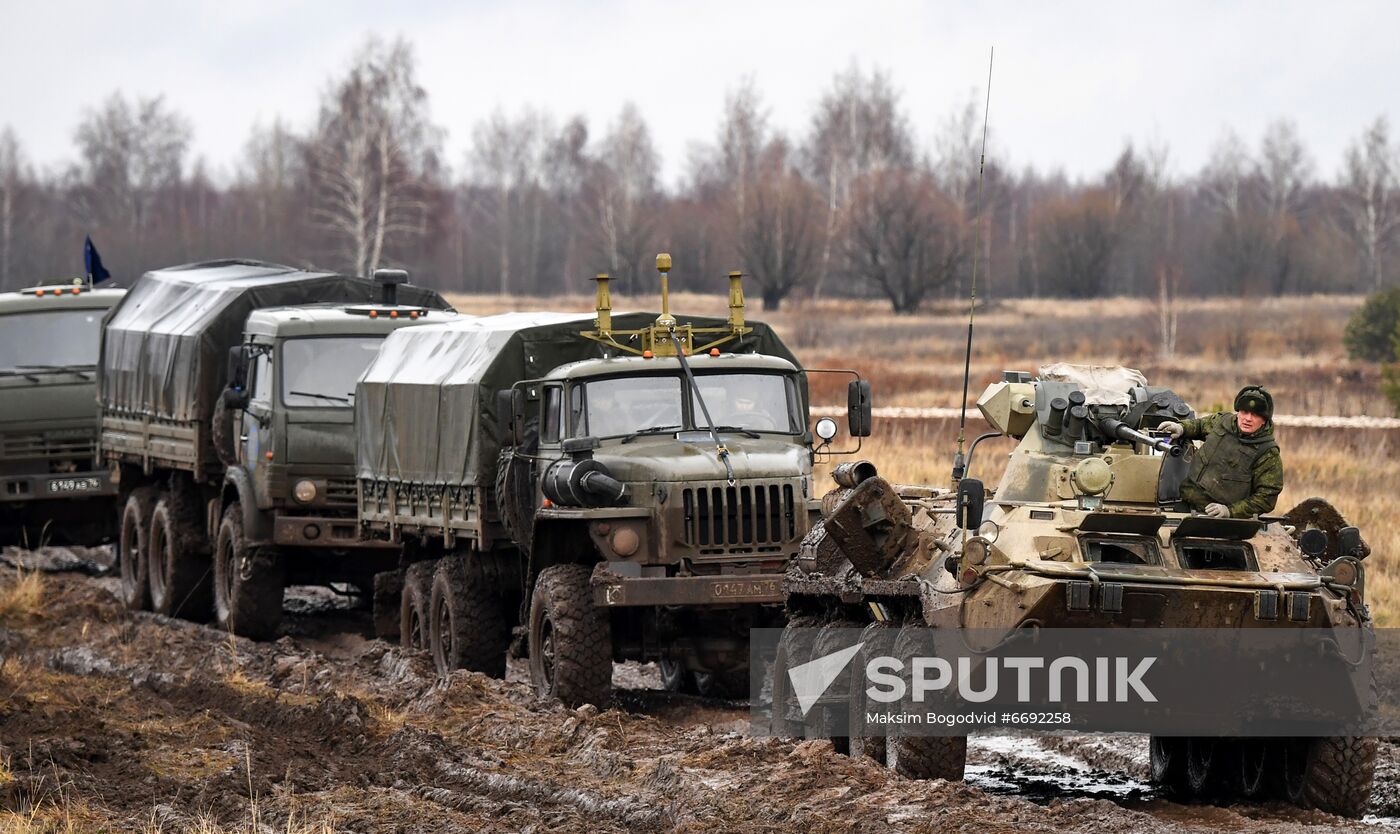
117, 721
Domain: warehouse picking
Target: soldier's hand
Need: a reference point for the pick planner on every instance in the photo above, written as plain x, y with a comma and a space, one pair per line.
1176, 430
1217, 511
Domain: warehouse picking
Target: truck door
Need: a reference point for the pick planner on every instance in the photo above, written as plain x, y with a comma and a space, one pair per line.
551, 426
255, 421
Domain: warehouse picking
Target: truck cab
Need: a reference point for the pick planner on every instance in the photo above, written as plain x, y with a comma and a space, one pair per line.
51, 485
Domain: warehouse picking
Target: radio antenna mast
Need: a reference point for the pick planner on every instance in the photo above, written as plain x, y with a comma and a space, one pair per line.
960, 460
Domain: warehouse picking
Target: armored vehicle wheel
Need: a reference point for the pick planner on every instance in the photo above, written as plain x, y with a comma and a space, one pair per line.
923, 757
1330, 774
248, 582
864, 744
413, 605
180, 575
1168, 757
570, 638
1203, 759
833, 719
675, 677
386, 602
1250, 768
794, 649
133, 548
468, 621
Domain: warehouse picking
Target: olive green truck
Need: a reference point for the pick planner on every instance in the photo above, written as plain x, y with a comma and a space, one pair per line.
225, 393
52, 486
620, 488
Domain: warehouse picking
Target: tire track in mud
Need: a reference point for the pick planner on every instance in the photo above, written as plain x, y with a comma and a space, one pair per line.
147, 717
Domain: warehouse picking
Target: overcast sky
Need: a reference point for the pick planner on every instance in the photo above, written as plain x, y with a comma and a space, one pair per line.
1072, 82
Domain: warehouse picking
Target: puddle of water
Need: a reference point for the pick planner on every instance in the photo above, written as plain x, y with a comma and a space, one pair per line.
1021, 766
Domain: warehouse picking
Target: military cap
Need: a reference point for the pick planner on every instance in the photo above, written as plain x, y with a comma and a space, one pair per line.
1256, 400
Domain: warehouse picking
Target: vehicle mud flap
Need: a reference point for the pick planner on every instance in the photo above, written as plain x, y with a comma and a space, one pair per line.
872, 527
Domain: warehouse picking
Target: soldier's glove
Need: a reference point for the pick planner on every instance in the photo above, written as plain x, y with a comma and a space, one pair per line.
1217, 511
1176, 430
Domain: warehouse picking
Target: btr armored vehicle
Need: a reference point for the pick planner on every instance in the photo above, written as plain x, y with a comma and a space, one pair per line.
226, 390
623, 487
1085, 529
52, 487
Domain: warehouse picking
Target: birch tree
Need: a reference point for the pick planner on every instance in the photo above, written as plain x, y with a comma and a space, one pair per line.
1368, 202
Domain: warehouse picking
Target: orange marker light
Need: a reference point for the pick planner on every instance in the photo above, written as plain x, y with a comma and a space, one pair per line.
39, 292
76, 291
374, 314
646, 354
714, 351
413, 314
547, 504
269, 454
393, 314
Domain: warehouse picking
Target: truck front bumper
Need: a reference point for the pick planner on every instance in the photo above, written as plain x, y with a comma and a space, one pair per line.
315, 531
615, 591
94, 484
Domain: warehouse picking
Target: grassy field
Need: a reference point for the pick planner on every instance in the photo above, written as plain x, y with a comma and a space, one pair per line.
1291, 345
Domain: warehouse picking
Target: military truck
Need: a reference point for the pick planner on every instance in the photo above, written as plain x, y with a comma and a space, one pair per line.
629, 490
225, 390
52, 487
1085, 529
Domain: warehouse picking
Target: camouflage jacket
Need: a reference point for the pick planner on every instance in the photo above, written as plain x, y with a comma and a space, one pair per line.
1243, 472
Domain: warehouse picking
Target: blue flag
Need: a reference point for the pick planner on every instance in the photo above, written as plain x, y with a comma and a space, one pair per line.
96, 272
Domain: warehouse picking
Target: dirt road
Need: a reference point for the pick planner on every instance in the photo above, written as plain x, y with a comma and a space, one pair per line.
118, 721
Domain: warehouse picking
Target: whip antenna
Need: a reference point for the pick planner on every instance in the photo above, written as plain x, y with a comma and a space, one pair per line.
959, 460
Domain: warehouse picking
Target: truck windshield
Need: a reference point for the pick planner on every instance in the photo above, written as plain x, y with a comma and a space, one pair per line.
749, 401
322, 372
48, 339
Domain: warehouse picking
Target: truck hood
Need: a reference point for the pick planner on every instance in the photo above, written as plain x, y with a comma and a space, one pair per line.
664, 458
45, 401
328, 440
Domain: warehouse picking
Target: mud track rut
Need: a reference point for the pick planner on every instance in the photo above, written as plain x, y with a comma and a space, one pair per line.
132, 719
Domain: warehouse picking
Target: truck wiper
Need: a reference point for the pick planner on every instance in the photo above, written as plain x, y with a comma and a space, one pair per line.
721, 450
653, 430
80, 370
740, 429
13, 372
322, 396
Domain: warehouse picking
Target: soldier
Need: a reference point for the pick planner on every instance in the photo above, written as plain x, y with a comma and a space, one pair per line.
1237, 471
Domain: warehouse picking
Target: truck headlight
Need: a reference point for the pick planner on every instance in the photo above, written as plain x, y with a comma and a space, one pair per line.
304, 491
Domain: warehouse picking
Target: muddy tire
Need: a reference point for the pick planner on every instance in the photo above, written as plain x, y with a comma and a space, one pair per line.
676, 677
248, 582
133, 548
386, 601
832, 719
923, 757
413, 605
724, 683
570, 638
468, 620
1205, 766
864, 744
1168, 760
180, 573
1329, 774
794, 649
1249, 768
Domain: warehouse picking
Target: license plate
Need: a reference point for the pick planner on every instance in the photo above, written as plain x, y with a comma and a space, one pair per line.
63, 486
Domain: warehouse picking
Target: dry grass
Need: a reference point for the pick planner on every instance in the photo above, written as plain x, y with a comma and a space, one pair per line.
21, 596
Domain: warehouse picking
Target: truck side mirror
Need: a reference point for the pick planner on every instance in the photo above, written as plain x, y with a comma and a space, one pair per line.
972, 500
236, 394
858, 408
510, 416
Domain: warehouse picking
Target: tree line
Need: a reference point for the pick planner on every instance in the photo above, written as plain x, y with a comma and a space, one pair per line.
854, 205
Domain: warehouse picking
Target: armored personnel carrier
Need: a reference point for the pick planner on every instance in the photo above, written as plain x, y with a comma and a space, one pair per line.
1085, 529
52, 487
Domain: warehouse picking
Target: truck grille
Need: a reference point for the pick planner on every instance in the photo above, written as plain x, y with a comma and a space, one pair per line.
746, 515
60, 446
341, 492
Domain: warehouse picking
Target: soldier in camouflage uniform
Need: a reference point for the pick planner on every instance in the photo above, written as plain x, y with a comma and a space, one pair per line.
1238, 471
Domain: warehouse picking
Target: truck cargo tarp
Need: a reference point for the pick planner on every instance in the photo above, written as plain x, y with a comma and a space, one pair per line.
165, 346
425, 408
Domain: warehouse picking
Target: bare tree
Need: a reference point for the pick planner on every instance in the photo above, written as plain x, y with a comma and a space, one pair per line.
566, 168
1368, 206
905, 237
1283, 170
1078, 236
131, 152
858, 128
13, 178
271, 175
623, 193
371, 155
778, 241
508, 156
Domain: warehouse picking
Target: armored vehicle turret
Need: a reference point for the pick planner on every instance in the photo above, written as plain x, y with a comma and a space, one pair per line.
1085, 529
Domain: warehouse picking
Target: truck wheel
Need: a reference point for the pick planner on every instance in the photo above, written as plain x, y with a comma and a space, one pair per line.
181, 584
248, 582
570, 638
413, 607
1329, 774
723, 683
794, 649
1203, 759
387, 596
1250, 768
1168, 757
133, 547
675, 677
469, 629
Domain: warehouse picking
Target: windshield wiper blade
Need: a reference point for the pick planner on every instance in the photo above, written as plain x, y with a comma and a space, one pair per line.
81, 370
653, 430
345, 400
740, 429
29, 375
